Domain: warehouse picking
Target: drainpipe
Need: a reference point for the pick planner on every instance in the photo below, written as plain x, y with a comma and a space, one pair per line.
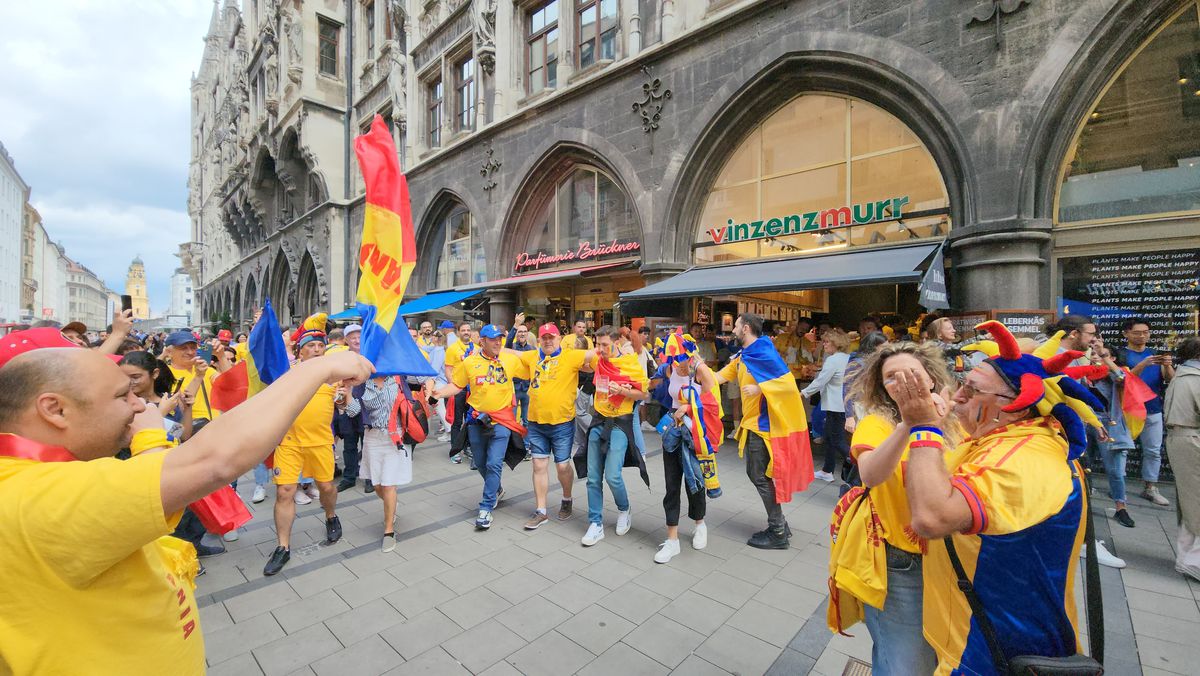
347, 142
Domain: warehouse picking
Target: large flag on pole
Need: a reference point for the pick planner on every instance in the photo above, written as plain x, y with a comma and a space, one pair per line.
264, 361
386, 258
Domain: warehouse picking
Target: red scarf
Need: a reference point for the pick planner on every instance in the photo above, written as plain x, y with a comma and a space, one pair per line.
13, 446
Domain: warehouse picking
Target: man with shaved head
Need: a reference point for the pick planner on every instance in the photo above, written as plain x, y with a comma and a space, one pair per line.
86, 583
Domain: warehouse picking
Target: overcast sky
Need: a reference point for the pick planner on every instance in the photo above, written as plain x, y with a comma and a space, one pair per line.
94, 109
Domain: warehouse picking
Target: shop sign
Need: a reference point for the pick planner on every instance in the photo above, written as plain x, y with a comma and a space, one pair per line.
813, 221
933, 284
1024, 322
585, 252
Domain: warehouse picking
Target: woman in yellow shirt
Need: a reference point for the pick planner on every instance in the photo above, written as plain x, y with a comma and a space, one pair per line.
880, 449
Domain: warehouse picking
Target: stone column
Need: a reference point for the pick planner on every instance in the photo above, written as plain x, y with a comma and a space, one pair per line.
502, 306
1002, 267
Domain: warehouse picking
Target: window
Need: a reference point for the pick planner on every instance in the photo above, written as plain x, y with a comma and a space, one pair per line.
596, 30
464, 73
542, 47
649, 13
463, 260
587, 206
369, 11
1138, 152
328, 46
434, 119
822, 172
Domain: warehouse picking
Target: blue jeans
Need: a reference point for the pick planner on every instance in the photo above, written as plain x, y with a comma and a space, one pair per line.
1152, 443
899, 644
545, 440
489, 459
606, 469
1114, 467
523, 404
637, 427
262, 475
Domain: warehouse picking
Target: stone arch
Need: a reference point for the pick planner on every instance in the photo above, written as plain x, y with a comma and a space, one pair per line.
308, 289
250, 299
280, 290
267, 191
431, 237
236, 311
862, 67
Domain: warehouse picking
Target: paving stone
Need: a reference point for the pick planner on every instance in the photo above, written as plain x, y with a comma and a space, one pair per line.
556, 566
434, 662
474, 607
297, 650
738, 652
1171, 606
693, 562
726, 589
609, 573
667, 581
623, 660
242, 665
791, 662
695, 666
790, 598
316, 581
357, 624
769, 624
509, 558
550, 655
377, 560
307, 612
368, 657
519, 585
366, 589
804, 574
419, 597
533, 617
483, 646
750, 569
242, 637
414, 636
667, 641
1164, 628
698, 612
1174, 657
462, 579
596, 628
634, 602
575, 593
214, 617
420, 567
458, 554
501, 669
262, 600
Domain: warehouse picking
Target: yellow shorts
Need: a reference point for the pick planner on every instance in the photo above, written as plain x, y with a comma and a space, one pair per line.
316, 462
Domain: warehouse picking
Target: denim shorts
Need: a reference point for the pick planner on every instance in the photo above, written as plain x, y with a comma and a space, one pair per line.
543, 438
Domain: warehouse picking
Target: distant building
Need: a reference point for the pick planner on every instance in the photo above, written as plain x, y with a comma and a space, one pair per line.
14, 192
182, 299
87, 297
135, 286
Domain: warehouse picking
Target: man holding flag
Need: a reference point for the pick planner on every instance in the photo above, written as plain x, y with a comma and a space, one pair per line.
773, 433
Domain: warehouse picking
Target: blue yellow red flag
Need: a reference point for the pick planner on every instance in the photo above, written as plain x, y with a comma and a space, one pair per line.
781, 419
265, 360
386, 258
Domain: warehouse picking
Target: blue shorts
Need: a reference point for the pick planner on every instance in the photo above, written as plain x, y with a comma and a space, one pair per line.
543, 438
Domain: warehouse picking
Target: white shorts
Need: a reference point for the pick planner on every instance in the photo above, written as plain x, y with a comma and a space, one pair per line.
382, 462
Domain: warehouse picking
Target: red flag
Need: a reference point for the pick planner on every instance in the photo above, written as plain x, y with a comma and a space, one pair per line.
1133, 402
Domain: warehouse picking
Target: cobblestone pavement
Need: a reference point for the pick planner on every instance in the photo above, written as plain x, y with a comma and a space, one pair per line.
450, 600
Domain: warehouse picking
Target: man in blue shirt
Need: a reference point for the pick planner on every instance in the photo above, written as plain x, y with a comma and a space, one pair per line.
1155, 370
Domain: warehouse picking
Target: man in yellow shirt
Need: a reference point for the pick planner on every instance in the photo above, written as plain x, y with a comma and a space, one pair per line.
551, 429
181, 351
307, 448
580, 331
489, 373
462, 347
86, 587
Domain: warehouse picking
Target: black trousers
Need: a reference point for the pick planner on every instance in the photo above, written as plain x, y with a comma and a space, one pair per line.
458, 434
836, 444
757, 458
189, 528
351, 455
673, 472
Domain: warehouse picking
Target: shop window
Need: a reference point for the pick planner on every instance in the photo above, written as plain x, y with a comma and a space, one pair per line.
1138, 152
462, 259
541, 51
586, 206
822, 173
596, 28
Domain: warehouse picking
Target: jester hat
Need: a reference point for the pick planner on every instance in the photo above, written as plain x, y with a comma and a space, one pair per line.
313, 328
679, 347
1044, 380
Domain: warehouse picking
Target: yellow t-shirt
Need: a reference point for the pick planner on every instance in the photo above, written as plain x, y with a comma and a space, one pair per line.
334, 348
552, 387
889, 496
83, 587
736, 372
632, 367
200, 409
568, 342
314, 425
490, 380
456, 353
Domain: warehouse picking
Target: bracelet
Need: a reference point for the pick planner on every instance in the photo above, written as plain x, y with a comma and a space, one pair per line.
925, 437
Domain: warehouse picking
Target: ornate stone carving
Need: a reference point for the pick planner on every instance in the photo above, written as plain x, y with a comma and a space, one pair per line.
489, 167
294, 29
272, 77
484, 15
992, 11
430, 19
396, 81
654, 97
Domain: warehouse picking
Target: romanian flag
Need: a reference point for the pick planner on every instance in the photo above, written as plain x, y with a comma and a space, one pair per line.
265, 360
781, 419
386, 258
1133, 403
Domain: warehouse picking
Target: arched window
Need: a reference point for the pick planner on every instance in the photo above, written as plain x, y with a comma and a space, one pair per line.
823, 172
1138, 151
586, 206
462, 259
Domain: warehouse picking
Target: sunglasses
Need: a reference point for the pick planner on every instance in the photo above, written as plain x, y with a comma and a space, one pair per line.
971, 391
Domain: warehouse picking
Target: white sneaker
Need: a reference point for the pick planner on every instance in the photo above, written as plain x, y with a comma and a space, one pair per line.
231, 536
1103, 556
667, 551
700, 537
444, 437
302, 498
624, 522
646, 426
260, 494
312, 492
594, 534
823, 476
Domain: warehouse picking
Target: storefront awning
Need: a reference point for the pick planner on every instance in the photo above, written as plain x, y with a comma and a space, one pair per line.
434, 301
551, 275
889, 265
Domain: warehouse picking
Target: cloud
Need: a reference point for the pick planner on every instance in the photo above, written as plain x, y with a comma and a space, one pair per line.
96, 114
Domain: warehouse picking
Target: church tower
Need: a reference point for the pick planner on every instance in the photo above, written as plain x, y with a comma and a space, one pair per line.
135, 286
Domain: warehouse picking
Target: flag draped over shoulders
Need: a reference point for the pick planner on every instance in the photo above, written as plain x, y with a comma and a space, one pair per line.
266, 359
386, 258
782, 421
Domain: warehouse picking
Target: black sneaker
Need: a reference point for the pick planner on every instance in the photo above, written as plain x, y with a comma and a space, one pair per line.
279, 558
767, 531
333, 530
204, 551
769, 540
368, 487
1123, 518
346, 484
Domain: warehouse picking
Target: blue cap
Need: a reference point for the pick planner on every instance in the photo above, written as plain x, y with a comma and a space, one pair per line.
177, 338
446, 324
491, 331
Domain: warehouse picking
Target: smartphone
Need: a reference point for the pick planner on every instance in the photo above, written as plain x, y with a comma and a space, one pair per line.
205, 353
126, 302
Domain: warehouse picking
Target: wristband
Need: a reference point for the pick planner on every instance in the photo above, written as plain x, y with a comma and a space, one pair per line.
145, 440
925, 437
